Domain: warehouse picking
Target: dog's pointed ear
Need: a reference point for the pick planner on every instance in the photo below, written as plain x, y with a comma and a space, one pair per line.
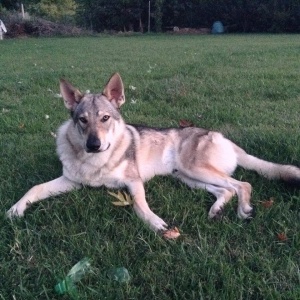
70, 94
114, 90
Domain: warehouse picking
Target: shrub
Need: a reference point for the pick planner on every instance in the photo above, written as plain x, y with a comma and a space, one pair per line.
38, 27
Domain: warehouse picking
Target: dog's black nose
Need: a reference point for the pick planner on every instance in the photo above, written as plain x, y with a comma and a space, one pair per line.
93, 144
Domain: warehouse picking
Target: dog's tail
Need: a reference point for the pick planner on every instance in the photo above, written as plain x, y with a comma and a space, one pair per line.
288, 173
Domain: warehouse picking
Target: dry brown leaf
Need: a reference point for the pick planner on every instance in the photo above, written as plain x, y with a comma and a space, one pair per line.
171, 234
282, 237
268, 203
185, 123
22, 125
124, 198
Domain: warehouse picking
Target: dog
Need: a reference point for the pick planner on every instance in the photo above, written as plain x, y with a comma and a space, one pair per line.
96, 147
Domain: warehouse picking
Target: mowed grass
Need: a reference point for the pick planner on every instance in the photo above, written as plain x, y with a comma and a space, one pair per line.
246, 86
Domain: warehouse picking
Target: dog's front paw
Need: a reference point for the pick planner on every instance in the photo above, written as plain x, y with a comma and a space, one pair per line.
16, 211
156, 223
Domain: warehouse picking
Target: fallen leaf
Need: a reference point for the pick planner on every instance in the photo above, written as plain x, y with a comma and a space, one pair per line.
124, 198
53, 134
282, 237
171, 234
120, 203
268, 203
22, 125
185, 123
132, 87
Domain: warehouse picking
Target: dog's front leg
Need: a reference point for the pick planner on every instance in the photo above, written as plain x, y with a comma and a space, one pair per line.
40, 192
142, 209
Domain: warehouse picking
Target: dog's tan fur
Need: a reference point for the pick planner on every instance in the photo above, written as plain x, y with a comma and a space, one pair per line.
96, 147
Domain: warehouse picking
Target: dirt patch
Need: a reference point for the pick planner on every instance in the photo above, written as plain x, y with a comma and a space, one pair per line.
177, 30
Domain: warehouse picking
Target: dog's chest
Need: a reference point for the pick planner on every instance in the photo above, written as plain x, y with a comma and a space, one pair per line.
94, 173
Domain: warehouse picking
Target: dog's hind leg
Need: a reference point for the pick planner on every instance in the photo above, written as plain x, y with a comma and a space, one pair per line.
223, 195
40, 192
222, 185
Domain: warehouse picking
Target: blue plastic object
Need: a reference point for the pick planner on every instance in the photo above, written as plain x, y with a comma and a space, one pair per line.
217, 28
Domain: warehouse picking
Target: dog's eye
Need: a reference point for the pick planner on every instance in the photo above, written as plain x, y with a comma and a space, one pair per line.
105, 118
83, 120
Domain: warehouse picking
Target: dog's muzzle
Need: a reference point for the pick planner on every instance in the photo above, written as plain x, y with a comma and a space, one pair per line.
93, 144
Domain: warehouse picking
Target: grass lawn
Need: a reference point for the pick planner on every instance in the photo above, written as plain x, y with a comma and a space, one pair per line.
246, 86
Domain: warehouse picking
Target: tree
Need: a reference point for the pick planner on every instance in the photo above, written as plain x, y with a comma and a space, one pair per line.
124, 15
117, 15
158, 15
9, 4
55, 10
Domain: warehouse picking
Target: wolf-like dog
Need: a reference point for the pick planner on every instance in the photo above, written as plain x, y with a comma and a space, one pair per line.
96, 147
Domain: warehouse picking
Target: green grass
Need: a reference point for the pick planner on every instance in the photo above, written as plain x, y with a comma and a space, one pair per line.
246, 86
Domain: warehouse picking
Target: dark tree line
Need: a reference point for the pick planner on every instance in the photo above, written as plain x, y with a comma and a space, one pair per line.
125, 15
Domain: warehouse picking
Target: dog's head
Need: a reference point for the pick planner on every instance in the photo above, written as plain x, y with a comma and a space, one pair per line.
96, 116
